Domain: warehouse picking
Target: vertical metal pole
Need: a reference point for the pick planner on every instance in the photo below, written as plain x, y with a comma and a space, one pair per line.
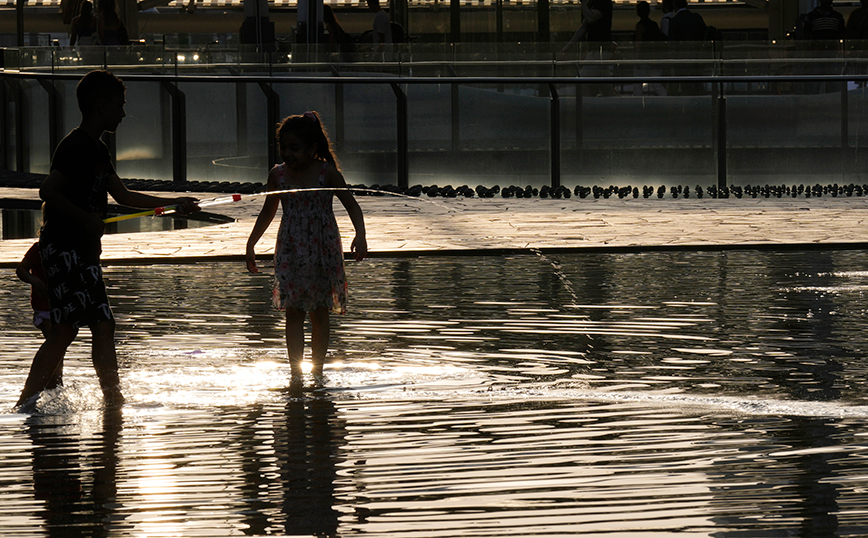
544, 21
455, 20
580, 131
241, 134
845, 126
340, 115
19, 20
721, 136
456, 119
54, 113
4, 125
399, 13
403, 139
20, 146
179, 132
273, 113
498, 11
555, 124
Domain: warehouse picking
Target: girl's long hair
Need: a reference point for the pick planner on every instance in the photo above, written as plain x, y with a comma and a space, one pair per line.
309, 129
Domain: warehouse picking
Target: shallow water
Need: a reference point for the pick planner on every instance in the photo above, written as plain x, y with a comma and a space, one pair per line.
688, 394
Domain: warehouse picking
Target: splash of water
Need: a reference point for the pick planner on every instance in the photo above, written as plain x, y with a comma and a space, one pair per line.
559, 272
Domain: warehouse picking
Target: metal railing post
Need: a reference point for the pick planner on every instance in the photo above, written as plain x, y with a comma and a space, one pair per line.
4, 124
273, 113
241, 135
555, 122
845, 127
340, 115
720, 118
18, 124
403, 166
456, 121
54, 112
455, 107
179, 132
580, 134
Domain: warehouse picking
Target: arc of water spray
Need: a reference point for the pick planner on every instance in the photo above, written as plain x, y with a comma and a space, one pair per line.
220, 200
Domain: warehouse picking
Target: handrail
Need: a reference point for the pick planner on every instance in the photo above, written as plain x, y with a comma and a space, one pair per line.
473, 80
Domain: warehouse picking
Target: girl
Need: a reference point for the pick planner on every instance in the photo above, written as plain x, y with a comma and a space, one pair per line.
308, 257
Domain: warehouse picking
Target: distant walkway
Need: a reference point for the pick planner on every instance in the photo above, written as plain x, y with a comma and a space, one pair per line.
399, 226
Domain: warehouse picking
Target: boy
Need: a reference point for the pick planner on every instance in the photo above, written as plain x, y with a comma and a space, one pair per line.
75, 195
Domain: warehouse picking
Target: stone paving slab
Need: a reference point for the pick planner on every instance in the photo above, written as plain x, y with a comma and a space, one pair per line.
399, 226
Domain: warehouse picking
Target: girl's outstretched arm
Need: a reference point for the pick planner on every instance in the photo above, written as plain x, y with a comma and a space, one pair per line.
266, 215
359, 246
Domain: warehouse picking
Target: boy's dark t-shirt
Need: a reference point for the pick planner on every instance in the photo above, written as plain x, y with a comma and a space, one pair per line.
87, 165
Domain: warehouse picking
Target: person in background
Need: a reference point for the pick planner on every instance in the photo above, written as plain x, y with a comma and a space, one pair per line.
824, 23
382, 27
686, 25
668, 10
647, 31
857, 23
596, 24
112, 31
83, 30
339, 40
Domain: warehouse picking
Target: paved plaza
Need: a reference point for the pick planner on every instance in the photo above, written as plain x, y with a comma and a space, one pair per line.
401, 226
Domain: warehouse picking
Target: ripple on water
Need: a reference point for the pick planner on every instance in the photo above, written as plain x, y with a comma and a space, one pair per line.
647, 398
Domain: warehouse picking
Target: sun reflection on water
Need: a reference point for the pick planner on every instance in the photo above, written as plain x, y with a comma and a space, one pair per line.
655, 407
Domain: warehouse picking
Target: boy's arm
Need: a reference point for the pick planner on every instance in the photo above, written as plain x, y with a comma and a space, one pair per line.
52, 194
359, 246
124, 196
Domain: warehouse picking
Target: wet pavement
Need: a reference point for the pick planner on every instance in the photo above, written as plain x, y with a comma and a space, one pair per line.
410, 226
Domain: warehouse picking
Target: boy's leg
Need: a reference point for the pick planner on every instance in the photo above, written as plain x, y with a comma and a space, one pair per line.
48, 362
55, 380
295, 339
319, 338
105, 361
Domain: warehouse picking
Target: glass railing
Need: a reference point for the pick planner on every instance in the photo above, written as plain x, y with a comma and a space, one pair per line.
704, 113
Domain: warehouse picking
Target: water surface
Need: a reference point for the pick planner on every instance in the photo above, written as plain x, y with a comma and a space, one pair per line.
682, 394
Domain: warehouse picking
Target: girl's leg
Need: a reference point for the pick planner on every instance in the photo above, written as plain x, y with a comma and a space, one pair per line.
319, 338
295, 339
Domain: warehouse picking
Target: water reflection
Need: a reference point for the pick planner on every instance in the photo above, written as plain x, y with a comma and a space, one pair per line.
693, 394
77, 486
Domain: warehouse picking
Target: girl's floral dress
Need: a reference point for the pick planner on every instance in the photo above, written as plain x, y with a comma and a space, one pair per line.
308, 256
